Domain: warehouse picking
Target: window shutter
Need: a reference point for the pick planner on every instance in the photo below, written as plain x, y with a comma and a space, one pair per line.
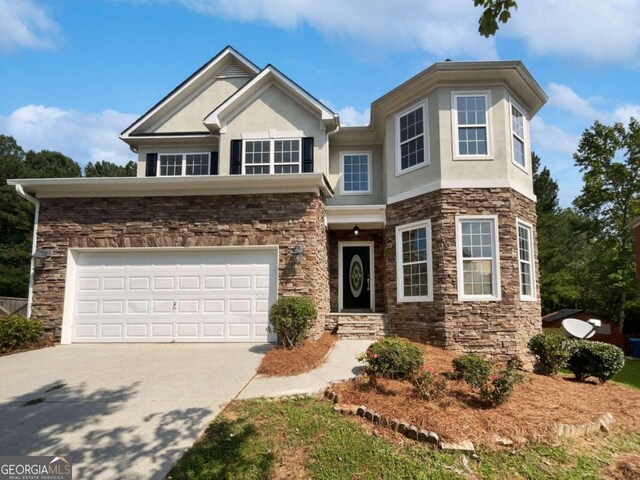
151, 165
214, 164
236, 157
307, 155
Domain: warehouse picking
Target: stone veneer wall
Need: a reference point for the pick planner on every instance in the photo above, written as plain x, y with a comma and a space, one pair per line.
182, 221
375, 236
494, 327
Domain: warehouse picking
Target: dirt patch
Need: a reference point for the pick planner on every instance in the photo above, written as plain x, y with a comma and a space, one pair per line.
536, 405
303, 358
624, 467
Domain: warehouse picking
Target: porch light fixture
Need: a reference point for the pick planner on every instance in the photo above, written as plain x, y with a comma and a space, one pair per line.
39, 257
297, 253
356, 231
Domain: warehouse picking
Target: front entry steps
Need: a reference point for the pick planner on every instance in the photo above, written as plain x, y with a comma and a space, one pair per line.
358, 326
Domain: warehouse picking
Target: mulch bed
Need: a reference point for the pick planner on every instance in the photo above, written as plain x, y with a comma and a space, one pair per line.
32, 346
303, 358
531, 413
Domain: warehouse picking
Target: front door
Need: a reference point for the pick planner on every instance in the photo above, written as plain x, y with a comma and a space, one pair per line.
356, 278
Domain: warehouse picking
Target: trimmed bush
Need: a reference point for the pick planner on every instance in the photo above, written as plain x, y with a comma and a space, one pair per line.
501, 385
475, 370
17, 332
552, 352
594, 359
291, 318
428, 385
392, 358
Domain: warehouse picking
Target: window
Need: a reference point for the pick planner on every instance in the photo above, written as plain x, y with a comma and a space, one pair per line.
271, 156
471, 124
517, 135
478, 267
525, 260
356, 173
414, 262
412, 145
180, 164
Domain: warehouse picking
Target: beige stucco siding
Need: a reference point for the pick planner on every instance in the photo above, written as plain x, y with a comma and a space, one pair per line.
377, 196
188, 116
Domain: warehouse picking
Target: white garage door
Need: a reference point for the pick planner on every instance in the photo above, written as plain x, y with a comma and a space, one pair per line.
178, 295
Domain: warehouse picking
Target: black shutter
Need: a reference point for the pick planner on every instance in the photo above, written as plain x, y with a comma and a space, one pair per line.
214, 164
152, 164
307, 154
236, 157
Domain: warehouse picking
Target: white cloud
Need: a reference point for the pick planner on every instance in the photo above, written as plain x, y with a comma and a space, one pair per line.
23, 24
350, 117
82, 136
552, 137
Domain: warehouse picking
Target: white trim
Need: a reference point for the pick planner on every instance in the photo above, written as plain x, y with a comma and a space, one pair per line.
69, 287
369, 191
488, 125
372, 272
184, 163
529, 226
497, 286
433, 186
272, 155
425, 135
267, 134
513, 103
366, 216
426, 224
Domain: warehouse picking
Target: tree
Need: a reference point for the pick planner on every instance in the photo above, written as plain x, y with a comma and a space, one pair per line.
494, 11
109, 169
49, 164
545, 188
609, 159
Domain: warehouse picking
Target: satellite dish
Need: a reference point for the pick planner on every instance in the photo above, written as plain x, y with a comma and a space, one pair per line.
579, 329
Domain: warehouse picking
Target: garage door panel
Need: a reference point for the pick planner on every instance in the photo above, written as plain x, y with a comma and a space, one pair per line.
206, 296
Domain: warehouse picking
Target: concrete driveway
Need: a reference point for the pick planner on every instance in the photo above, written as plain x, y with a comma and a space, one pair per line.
123, 411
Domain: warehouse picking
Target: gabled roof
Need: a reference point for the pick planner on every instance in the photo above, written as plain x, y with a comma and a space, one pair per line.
560, 315
270, 75
227, 53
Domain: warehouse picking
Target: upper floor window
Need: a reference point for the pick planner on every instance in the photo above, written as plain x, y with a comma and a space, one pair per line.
356, 173
525, 260
478, 265
272, 156
517, 135
414, 262
180, 164
411, 143
471, 125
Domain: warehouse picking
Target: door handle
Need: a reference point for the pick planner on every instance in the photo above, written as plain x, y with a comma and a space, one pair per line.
175, 305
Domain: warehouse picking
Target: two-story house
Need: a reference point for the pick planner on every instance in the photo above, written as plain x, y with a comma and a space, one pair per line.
421, 224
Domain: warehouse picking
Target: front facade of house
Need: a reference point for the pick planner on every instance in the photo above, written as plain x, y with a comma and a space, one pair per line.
421, 224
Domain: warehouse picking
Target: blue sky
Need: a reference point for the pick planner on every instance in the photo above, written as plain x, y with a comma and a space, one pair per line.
74, 73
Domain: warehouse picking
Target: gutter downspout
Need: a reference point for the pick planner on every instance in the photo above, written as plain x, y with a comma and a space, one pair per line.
335, 130
36, 204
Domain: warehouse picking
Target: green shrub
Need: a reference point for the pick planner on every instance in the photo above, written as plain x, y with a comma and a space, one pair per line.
291, 319
501, 385
392, 358
428, 385
17, 331
595, 359
475, 370
552, 352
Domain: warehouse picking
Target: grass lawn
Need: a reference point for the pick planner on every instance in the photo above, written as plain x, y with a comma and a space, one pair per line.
304, 438
630, 374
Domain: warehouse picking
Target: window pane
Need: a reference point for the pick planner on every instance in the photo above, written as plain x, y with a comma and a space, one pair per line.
524, 255
411, 138
472, 110
518, 151
170, 165
517, 122
472, 141
414, 262
197, 164
478, 277
256, 157
356, 173
286, 151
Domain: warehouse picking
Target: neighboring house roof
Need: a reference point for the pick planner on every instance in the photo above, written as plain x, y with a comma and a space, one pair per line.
267, 77
569, 312
636, 223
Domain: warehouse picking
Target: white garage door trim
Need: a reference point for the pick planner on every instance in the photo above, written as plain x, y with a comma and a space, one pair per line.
73, 267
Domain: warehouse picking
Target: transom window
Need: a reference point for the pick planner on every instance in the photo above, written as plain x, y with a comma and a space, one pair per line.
477, 258
271, 156
411, 141
356, 173
181, 164
471, 124
525, 257
414, 262
517, 132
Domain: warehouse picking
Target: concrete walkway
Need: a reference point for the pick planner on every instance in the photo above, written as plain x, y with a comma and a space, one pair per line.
340, 365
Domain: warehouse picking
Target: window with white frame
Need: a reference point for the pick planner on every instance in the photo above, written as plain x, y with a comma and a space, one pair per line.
411, 138
356, 173
478, 267
272, 156
471, 124
181, 164
517, 135
414, 262
525, 259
